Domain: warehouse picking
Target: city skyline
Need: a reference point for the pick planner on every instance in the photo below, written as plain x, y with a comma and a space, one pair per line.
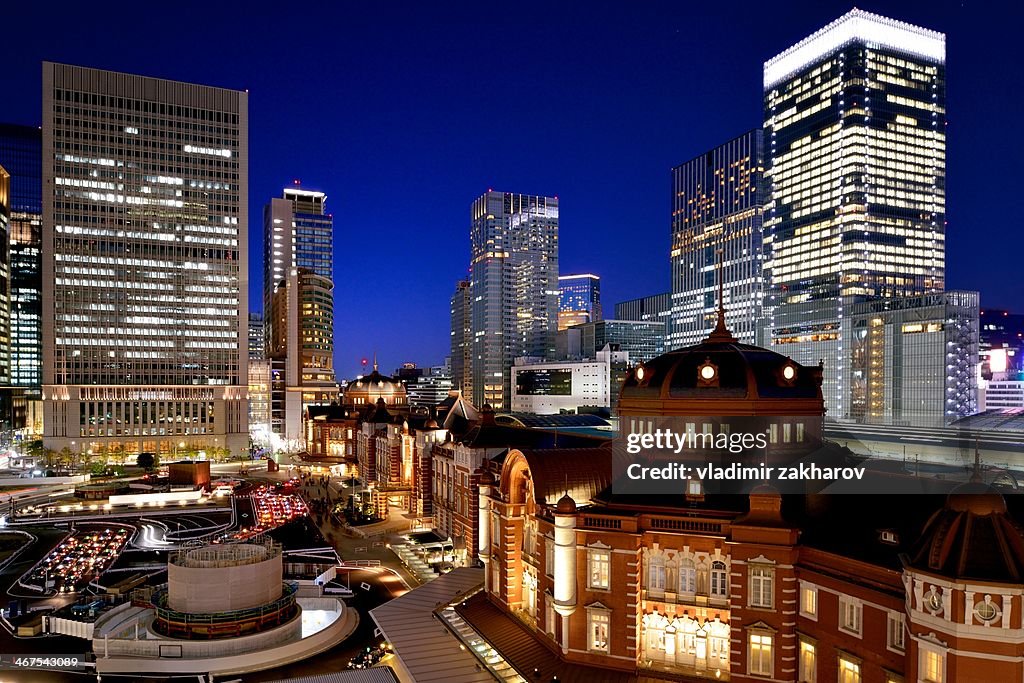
632, 55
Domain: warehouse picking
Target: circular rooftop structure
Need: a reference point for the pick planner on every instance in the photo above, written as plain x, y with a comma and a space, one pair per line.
375, 386
722, 376
224, 578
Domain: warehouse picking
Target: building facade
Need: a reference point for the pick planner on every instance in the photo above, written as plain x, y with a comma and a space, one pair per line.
914, 360
144, 328
298, 238
21, 155
656, 308
579, 300
642, 340
855, 129
462, 338
553, 387
717, 209
513, 287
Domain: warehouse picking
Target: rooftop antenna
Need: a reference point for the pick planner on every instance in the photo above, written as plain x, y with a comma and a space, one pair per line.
721, 333
375, 361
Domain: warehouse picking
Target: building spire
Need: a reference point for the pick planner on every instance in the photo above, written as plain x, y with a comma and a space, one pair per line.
721, 333
375, 361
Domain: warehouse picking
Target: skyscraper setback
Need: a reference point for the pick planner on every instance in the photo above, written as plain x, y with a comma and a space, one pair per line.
144, 234
514, 287
855, 124
579, 300
717, 205
298, 302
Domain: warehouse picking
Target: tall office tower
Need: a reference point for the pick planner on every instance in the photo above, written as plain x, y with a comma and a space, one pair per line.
257, 337
579, 300
21, 154
145, 213
717, 205
6, 394
462, 339
514, 287
299, 305
855, 122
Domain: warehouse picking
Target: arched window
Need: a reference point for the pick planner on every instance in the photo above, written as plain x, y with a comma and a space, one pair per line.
719, 580
687, 576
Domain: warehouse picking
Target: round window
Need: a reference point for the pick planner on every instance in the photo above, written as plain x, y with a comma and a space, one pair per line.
986, 611
934, 601
707, 372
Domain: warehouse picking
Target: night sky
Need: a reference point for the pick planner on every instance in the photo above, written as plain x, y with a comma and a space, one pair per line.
405, 112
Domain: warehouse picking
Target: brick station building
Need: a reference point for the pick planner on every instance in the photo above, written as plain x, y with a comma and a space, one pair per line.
584, 584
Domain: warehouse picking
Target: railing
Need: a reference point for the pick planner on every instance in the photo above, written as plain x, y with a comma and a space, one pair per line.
602, 522
676, 524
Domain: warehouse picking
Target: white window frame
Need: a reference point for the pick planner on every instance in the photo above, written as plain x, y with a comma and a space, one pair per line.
760, 669
593, 555
809, 600
550, 615
549, 556
851, 607
656, 570
596, 615
722, 576
895, 635
760, 577
687, 569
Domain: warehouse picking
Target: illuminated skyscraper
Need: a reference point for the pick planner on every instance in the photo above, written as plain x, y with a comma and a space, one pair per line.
855, 126
21, 154
144, 234
513, 287
299, 305
717, 205
579, 300
5, 306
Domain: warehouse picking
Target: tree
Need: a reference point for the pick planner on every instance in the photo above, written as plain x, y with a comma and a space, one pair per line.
146, 461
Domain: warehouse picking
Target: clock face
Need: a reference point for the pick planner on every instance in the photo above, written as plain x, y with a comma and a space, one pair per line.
707, 372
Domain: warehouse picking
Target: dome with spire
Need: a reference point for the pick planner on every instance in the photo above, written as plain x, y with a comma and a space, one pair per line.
374, 387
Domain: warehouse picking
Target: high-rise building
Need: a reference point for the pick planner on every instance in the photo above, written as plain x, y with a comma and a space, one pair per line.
257, 337
513, 287
299, 305
717, 205
144, 233
462, 338
21, 154
642, 339
6, 393
656, 308
579, 300
855, 128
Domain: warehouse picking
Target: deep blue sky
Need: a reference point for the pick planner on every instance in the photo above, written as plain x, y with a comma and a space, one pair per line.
405, 112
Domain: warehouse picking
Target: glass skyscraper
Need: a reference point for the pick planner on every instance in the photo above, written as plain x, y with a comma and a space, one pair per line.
144, 234
717, 207
855, 126
579, 299
462, 338
514, 287
21, 154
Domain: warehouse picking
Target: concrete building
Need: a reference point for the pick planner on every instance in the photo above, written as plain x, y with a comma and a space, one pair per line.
462, 338
855, 129
513, 287
653, 308
579, 300
257, 337
913, 360
11, 417
717, 208
996, 395
553, 387
144, 328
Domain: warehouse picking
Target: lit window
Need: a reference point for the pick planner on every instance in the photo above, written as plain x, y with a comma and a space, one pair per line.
549, 615
809, 600
849, 615
549, 556
761, 660
808, 672
849, 670
933, 666
762, 580
599, 568
598, 627
895, 629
